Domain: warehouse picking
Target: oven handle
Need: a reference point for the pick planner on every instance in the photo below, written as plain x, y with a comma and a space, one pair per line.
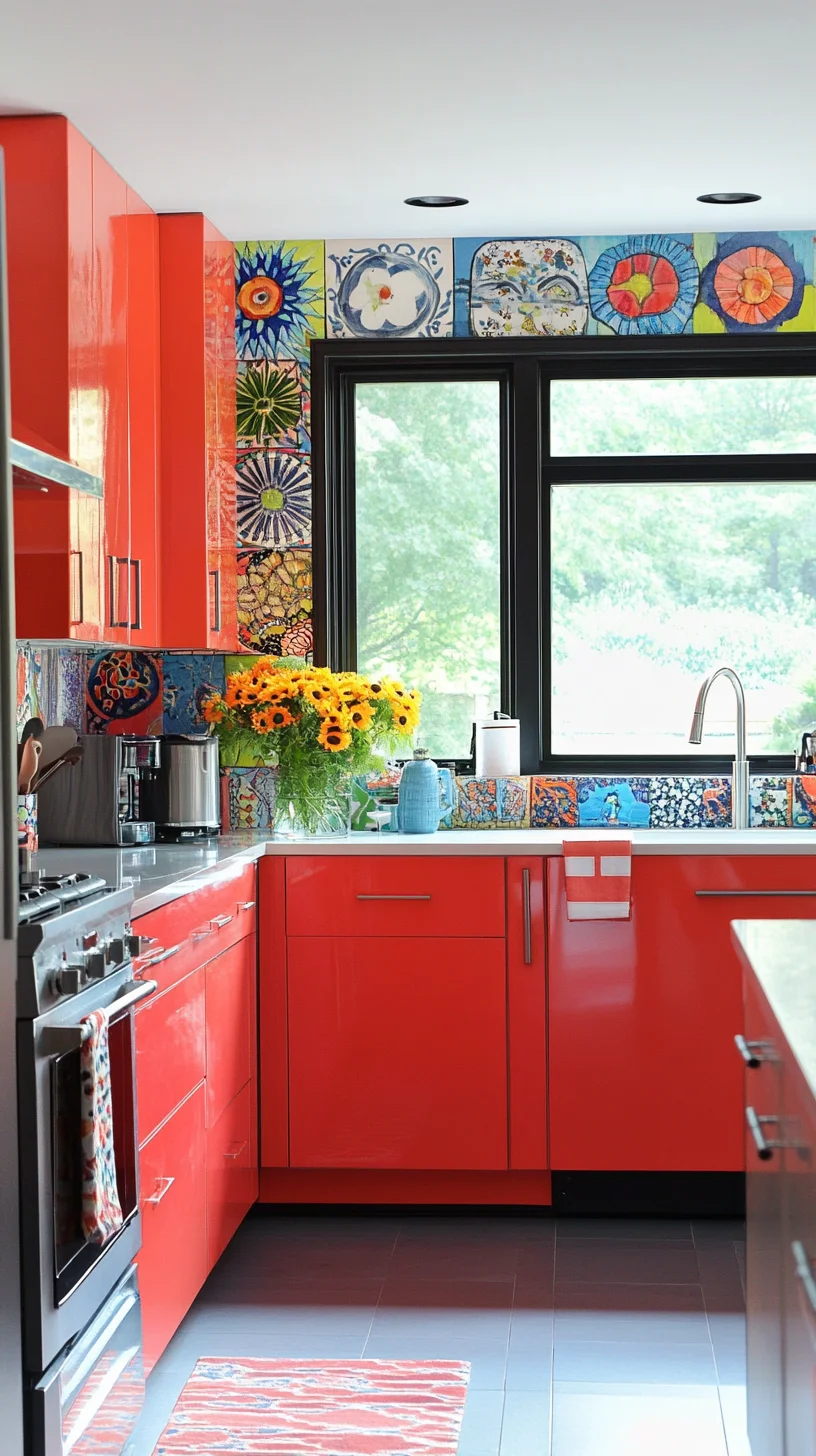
55, 1041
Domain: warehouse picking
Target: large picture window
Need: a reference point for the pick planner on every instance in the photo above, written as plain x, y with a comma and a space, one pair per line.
574, 532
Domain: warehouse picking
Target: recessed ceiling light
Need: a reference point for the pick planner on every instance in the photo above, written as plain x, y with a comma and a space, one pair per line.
431, 201
729, 199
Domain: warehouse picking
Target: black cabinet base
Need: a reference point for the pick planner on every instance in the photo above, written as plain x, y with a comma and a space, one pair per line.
649, 1195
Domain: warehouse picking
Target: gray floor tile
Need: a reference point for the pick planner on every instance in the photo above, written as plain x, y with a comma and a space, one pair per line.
713, 1231
659, 1230
633, 1361
162, 1393
609, 1420
620, 1298
526, 1424
482, 1423
664, 1312
488, 1360
401, 1292
619, 1261
735, 1420
728, 1340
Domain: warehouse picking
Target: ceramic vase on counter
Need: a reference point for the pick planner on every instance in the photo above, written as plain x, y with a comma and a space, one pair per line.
426, 795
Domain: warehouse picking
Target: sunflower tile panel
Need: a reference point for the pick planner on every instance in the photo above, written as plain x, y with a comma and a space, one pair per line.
393, 289
275, 602
280, 299
272, 400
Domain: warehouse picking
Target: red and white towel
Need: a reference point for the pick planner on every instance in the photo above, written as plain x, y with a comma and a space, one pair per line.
101, 1209
598, 877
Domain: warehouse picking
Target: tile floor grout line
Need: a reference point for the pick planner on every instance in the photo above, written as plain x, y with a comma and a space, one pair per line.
380, 1295
551, 1431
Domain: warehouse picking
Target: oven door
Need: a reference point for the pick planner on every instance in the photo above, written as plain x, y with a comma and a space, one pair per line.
88, 1402
65, 1279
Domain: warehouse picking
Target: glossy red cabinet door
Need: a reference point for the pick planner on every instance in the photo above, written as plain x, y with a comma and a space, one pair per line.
170, 1050
643, 1013
394, 895
143, 404
232, 1170
111, 286
173, 1198
231, 993
397, 1053
527, 1012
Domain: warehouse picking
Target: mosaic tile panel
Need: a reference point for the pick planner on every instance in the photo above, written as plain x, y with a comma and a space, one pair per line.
274, 499
275, 602
29, 674
716, 803
676, 802
476, 804
803, 802
248, 798
553, 803
123, 693
770, 803
272, 405
279, 299
513, 803
389, 290
613, 803
62, 686
189, 678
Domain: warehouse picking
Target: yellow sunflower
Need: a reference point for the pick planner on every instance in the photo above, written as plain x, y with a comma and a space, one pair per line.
334, 734
405, 720
376, 689
360, 715
213, 710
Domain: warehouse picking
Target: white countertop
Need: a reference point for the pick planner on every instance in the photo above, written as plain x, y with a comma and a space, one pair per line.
782, 956
163, 872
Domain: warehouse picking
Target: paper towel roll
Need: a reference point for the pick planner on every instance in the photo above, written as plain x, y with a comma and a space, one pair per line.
498, 750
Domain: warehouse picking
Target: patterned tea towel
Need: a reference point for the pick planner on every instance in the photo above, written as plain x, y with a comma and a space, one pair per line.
101, 1209
598, 878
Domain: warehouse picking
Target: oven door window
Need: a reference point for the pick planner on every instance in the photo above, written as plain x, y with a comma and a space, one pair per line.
73, 1257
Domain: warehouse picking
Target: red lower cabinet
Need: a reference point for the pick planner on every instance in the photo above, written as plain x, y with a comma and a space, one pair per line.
397, 1052
173, 1259
170, 1050
232, 1170
231, 979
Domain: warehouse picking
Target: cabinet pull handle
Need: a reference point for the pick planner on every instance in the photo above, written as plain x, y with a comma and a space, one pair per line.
237, 1152
219, 921
115, 563
393, 897
155, 958
136, 624
748, 1051
215, 625
163, 1186
77, 588
764, 1146
203, 931
528, 929
804, 1273
754, 894
246, 905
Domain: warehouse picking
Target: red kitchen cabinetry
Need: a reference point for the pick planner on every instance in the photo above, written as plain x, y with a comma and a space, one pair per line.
142, 568
110, 233
527, 1013
198, 371
643, 1013
232, 1170
231, 992
171, 1053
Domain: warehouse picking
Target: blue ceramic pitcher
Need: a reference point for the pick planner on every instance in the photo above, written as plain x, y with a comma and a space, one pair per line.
425, 795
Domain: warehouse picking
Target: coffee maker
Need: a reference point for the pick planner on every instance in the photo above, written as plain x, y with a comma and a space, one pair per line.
99, 800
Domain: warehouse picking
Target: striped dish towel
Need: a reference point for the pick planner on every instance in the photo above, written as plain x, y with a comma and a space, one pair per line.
598, 877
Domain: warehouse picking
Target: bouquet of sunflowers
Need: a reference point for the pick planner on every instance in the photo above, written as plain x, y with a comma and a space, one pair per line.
318, 727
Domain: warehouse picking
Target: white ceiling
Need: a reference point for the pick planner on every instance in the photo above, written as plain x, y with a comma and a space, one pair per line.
315, 118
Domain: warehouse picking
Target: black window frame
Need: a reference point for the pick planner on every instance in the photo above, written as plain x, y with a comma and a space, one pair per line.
525, 368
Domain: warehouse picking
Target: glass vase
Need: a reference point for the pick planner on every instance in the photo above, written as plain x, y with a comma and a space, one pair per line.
323, 816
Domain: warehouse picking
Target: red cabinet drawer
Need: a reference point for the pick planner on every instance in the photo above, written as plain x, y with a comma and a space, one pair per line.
230, 981
199, 925
173, 1257
410, 895
232, 1170
397, 1053
170, 1050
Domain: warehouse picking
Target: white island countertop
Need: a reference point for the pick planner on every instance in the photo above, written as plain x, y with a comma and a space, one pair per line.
782, 956
163, 872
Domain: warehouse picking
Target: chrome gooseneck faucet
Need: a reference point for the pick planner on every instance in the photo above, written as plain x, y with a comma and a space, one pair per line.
739, 787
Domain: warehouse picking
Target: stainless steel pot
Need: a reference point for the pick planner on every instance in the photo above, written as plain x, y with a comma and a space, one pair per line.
183, 793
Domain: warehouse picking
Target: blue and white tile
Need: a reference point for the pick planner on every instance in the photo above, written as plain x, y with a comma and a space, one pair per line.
771, 802
394, 289
676, 802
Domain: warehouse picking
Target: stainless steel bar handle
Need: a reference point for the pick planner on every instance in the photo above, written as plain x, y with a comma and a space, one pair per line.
115, 563
55, 1041
748, 1051
203, 931
764, 1147
754, 894
215, 624
246, 905
804, 1273
154, 959
528, 928
165, 1184
393, 897
238, 1151
135, 562
219, 921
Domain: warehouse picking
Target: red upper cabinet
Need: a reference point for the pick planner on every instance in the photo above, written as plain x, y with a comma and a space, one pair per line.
198, 370
56, 395
110, 229
143, 425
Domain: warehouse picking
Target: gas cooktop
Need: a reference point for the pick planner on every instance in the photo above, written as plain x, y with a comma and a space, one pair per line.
42, 896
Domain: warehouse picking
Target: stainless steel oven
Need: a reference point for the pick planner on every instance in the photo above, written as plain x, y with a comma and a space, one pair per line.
66, 1280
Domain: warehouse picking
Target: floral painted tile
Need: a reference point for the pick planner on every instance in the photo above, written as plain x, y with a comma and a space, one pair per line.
272, 405
123, 693
676, 802
189, 678
279, 299
528, 286
647, 284
248, 800
803, 806
716, 803
553, 803
274, 499
614, 803
389, 290
770, 802
476, 804
513, 803
275, 602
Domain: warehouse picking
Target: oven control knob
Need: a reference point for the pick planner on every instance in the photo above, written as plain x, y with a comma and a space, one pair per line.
115, 951
95, 964
69, 980
138, 945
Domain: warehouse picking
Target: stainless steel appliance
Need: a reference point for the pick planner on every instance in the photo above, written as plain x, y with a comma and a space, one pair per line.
81, 1342
99, 800
183, 794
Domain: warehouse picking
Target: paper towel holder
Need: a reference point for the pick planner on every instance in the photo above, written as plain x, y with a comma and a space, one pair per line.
496, 746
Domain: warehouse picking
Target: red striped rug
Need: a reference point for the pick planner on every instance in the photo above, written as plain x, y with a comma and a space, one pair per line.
318, 1408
